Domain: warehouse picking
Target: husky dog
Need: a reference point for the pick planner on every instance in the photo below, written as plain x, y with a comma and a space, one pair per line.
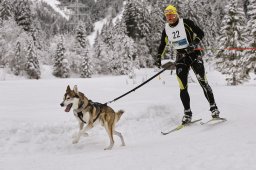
88, 112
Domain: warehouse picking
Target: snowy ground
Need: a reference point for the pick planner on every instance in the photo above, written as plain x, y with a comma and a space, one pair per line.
36, 133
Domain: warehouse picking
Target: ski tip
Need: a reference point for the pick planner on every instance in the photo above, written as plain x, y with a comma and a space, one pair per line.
163, 133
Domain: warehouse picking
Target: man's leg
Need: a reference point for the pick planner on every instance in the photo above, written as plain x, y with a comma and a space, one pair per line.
182, 75
199, 70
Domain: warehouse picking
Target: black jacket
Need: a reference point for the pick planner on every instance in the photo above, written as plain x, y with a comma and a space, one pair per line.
194, 34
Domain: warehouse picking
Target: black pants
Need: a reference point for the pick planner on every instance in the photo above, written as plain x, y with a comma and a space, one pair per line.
182, 69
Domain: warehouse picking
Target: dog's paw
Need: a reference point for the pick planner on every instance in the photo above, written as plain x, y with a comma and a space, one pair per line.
85, 134
109, 147
75, 141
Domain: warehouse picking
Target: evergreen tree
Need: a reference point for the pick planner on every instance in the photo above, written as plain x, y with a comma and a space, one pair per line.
252, 21
60, 67
96, 45
136, 17
107, 33
10, 34
143, 53
251, 26
88, 24
120, 27
232, 35
86, 68
6, 10
17, 60
81, 35
22, 14
101, 55
124, 59
32, 65
203, 15
157, 26
83, 51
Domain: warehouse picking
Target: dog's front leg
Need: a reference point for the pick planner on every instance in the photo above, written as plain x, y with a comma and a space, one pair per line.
82, 131
80, 125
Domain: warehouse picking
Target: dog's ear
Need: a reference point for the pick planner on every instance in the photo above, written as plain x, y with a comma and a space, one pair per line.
75, 89
68, 89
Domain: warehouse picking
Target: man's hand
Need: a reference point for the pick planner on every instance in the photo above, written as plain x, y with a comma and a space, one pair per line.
191, 48
158, 62
169, 65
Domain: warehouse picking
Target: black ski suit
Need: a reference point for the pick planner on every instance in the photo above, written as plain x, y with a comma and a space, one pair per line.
185, 61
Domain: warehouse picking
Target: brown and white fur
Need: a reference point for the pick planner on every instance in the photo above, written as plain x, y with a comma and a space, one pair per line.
107, 117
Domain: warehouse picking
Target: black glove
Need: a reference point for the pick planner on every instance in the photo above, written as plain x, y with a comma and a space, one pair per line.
191, 47
158, 62
169, 65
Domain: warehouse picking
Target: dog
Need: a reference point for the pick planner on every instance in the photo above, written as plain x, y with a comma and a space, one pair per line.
88, 112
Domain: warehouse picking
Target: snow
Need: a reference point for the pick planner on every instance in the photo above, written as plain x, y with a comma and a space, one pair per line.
99, 24
54, 4
36, 133
97, 28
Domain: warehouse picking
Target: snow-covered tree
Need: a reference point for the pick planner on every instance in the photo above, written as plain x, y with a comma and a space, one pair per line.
82, 51
107, 33
232, 35
60, 67
137, 19
10, 32
32, 65
88, 24
17, 68
157, 26
86, 67
120, 27
252, 20
102, 55
81, 34
6, 10
143, 54
22, 14
124, 59
38, 36
251, 27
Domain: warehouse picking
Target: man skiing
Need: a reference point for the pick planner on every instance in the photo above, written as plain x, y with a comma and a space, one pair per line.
184, 36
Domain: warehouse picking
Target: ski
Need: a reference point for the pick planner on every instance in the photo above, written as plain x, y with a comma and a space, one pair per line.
216, 120
180, 127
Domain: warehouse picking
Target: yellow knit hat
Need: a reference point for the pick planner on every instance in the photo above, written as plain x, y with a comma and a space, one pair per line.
170, 9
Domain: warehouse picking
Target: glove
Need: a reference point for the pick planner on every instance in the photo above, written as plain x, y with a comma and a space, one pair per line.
169, 65
191, 47
157, 62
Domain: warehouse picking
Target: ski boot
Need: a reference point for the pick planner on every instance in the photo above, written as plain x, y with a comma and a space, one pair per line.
187, 117
215, 111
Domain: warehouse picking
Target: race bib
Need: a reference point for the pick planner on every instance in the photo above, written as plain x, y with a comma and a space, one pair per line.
177, 35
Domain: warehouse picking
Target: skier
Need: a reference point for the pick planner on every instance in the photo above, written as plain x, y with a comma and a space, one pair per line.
184, 36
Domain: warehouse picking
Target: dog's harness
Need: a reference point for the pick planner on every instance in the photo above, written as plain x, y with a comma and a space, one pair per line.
90, 106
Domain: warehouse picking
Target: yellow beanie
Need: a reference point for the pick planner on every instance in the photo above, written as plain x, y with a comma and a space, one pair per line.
170, 10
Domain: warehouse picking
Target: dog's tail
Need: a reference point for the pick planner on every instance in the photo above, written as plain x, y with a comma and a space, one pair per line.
118, 115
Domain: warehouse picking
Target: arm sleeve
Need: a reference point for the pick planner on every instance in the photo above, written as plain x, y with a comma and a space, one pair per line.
196, 30
161, 48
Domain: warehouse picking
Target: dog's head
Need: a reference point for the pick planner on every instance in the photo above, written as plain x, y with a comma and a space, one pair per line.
71, 99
